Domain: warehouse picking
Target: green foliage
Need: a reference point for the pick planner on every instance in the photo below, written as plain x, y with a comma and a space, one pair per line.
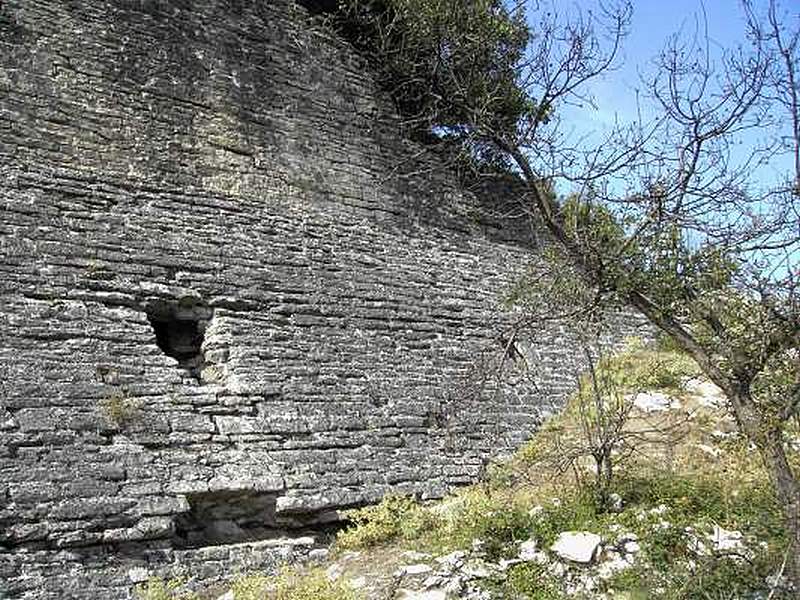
639, 367
594, 426
659, 260
720, 577
527, 580
158, 589
726, 577
591, 225
670, 563
751, 343
497, 520
119, 408
292, 584
449, 64
394, 517
576, 511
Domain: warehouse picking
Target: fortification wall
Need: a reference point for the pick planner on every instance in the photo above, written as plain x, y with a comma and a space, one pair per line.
234, 299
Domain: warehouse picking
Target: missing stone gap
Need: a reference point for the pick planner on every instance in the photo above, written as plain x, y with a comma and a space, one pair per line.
180, 329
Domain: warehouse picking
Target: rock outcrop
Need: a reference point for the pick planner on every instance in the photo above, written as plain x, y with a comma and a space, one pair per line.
234, 298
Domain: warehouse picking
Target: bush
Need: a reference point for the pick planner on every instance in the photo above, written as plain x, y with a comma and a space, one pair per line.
497, 520
529, 581
158, 589
576, 512
443, 61
394, 517
292, 584
639, 367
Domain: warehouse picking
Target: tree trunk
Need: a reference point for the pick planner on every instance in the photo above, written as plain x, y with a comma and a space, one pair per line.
787, 491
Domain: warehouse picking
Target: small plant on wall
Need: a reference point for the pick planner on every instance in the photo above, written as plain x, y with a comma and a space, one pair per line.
118, 408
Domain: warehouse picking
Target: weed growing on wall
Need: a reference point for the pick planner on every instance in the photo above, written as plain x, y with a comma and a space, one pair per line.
118, 408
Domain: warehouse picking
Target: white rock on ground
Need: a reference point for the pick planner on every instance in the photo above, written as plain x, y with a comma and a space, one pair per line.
724, 539
577, 546
504, 563
707, 393
319, 554
476, 570
527, 550
420, 569
614, 564
631, 547
454, 559
454, 587
421, 595
655, 402
710, 450
358, 582
334, 572
536, 510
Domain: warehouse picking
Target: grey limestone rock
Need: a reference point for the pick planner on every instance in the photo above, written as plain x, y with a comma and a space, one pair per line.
222, 282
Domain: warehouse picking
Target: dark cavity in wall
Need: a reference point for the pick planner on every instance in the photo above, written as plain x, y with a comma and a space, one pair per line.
180, 329
234, 516
318, 7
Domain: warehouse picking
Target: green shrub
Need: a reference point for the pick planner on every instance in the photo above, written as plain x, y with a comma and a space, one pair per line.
445, 61
576, 512
394, 517
119, 408
637, 368
707, 578
668, 561
496, 520
527, 580
292, 584
158, 589
726, 577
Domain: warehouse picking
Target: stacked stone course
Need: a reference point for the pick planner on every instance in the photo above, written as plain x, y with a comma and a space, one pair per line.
234, 299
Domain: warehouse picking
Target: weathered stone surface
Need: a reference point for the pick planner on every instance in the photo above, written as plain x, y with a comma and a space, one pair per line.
224, 272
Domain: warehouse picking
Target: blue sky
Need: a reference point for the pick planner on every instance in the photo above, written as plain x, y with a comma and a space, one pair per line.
653, 22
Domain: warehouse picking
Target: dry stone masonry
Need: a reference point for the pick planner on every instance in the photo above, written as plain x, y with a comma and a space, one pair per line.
234, 299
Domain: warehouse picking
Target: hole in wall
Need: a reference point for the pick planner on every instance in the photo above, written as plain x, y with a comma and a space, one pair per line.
180, 329
235, 516
319, 7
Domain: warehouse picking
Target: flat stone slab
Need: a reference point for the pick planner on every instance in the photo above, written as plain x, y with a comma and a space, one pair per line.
577, 546
655, 402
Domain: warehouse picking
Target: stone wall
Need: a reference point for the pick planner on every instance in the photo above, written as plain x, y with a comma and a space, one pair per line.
234, 299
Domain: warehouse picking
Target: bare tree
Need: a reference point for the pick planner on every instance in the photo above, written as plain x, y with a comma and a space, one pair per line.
688, 238
666, 213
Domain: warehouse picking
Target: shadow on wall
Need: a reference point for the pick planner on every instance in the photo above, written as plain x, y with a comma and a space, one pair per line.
235, 516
